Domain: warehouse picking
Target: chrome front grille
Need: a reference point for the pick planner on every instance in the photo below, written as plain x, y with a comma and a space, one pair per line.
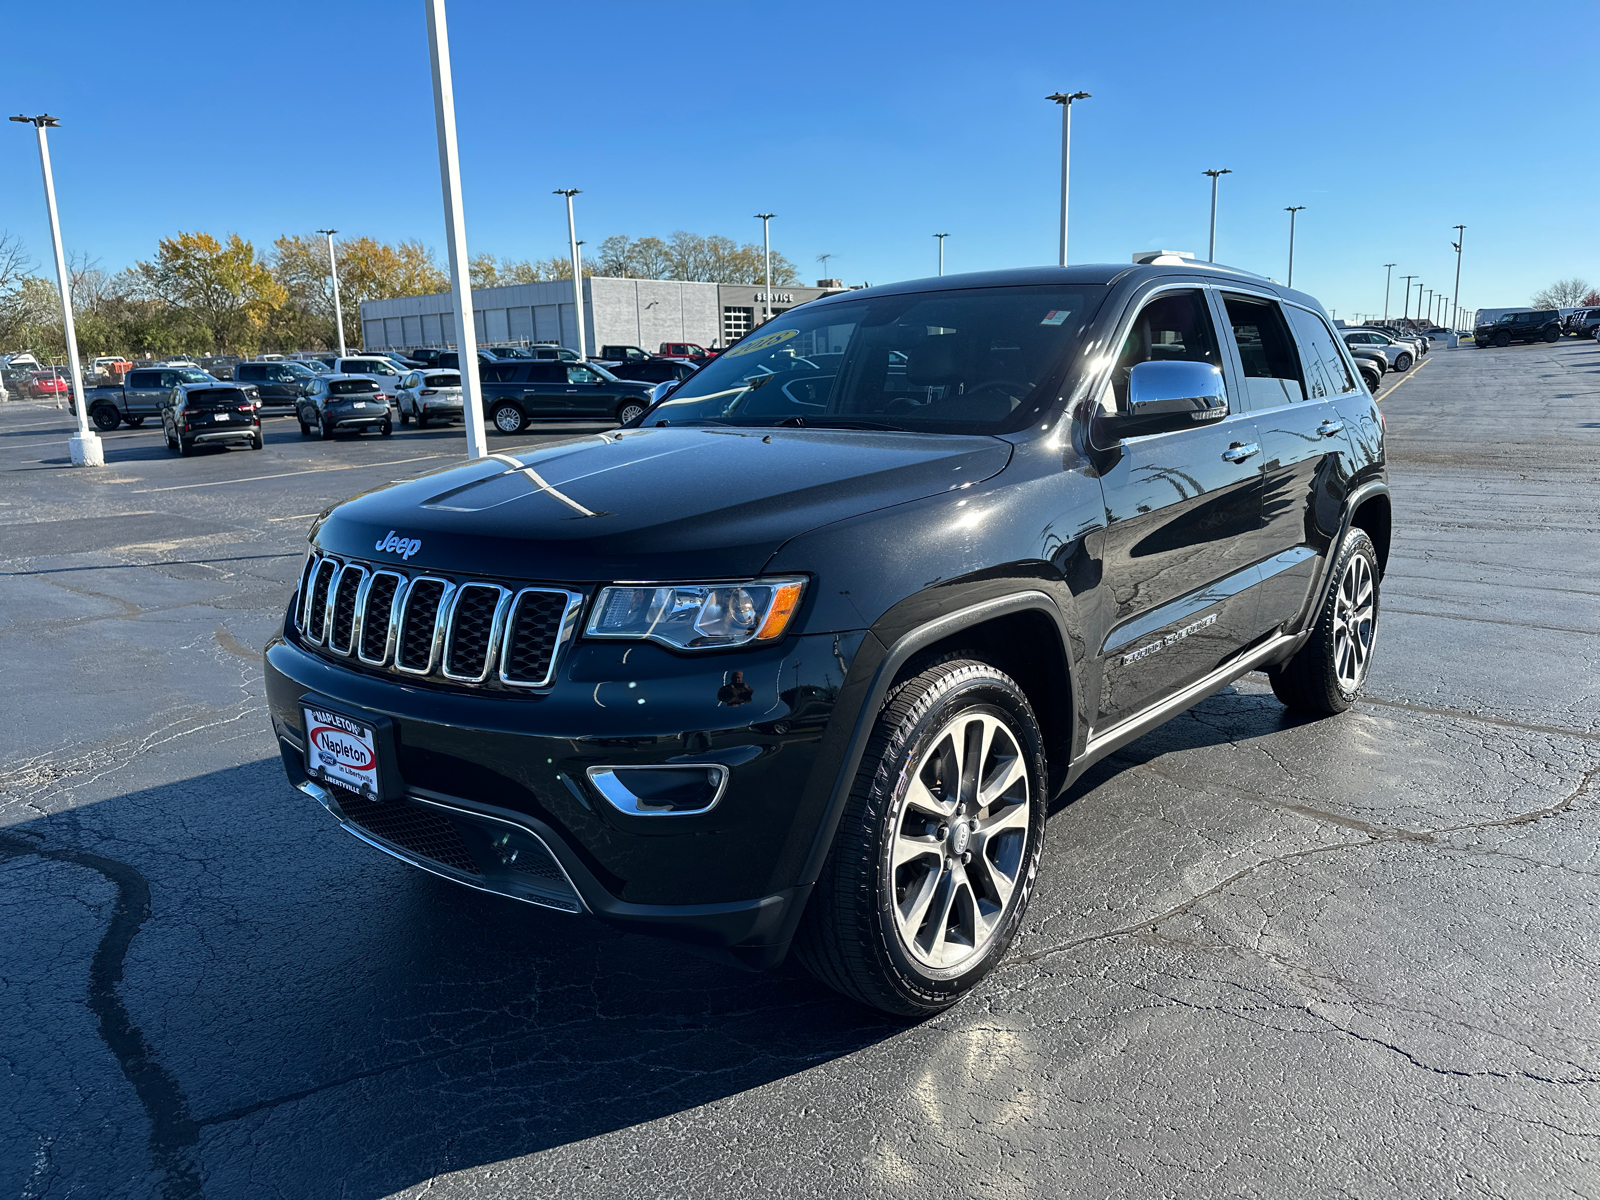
471, 631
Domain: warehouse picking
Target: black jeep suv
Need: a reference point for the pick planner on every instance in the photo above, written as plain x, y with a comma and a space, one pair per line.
1544, 326
802, 656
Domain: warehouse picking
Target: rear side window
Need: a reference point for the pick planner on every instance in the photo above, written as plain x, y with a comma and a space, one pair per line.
546, 372
1173, 327
1326, 373
1266, 352
144, 379
502, 372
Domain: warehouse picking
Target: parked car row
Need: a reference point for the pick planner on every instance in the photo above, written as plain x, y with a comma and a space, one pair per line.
1396, 351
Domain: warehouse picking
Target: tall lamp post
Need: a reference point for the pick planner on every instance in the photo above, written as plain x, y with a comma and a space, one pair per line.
1292, 210
84, 447
766, 243
941, 237
1064, 99
1419, 302
1388, 270
577, 269
333, 269
444, 115
1455, 296
1405, 310
1216, 174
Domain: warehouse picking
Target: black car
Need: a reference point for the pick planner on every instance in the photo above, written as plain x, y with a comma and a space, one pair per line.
335, 404
281, 384
625, 354
654, 370
194, 414
803, 658
1540, 326
515, 393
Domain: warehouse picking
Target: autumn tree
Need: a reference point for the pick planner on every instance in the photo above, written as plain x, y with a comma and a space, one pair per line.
224, 292
1563, 293
368, 270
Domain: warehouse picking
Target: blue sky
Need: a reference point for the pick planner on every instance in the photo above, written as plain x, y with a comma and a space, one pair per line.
866, 127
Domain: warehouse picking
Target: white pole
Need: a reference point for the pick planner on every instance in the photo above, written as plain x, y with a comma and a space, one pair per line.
766, 241
1066, 173
333, 269
444, 111
577, 270
84, 447
941, 237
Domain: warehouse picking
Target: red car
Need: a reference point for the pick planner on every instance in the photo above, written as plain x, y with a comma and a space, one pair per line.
48, 383
688, 350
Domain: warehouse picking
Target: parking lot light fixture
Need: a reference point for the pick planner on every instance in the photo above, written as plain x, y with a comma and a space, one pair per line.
1455, 295
1405, 309
941, 237
1419, 302
333, 269
444, 112
1388, 271
84, 447
766, 242
577, 268
1216, 174
1064, 99
1292, 209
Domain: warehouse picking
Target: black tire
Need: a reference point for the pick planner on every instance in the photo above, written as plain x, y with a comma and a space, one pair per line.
1553, 335
105, 417
1372, 379
850, 937
185, 448
258, 441
405, 417
1402, 362
508, 418
133, 422
1317, 678
1502, 340
628, 410
386, 428
327, 430
172, 441
422, 421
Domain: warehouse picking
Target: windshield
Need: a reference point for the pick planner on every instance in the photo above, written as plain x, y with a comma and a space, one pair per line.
970, 361
192, 376
296, 368
576, 374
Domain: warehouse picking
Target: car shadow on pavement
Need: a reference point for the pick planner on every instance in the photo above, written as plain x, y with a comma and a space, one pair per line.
263, 979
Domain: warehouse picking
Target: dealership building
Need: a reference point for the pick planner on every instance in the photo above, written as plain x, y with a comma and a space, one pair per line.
627, 312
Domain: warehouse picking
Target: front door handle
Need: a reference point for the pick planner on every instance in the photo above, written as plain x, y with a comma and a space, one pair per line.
1329, 428
1240, 451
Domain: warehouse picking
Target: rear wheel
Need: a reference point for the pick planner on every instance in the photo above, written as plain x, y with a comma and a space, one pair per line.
422, 419
508, 417
327, 430
1552, 335
386, 428
133, 422
1402, 362
258, 441
185, 447
938, 848
1372, 379
1331, 668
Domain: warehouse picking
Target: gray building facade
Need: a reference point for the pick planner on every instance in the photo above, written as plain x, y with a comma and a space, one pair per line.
630, 312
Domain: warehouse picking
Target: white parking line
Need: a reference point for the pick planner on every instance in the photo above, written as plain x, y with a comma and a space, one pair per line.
178, 487
1404, 381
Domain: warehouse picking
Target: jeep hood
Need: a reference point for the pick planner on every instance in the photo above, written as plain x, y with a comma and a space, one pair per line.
649, 503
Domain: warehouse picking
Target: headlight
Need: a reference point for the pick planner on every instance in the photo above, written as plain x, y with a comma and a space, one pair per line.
697, 616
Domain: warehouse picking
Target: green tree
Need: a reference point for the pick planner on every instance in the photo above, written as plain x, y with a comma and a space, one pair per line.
226, 294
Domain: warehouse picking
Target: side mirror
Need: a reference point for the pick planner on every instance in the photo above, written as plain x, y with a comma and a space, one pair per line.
1168, 396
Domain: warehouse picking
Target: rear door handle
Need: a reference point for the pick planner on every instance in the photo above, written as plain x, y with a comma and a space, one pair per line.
1329, 428
1240, 451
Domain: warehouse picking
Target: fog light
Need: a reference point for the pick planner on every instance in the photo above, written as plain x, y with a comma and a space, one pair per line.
663, 789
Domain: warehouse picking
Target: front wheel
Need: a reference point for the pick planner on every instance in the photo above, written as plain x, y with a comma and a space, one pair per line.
1331, 668
105, 418
1502, 340
508, 417
405, 417
1403, 362
938, 848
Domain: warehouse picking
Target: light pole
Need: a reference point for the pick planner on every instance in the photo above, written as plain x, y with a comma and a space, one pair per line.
1455, 296
84, 447
823, 259
1292, 210
1406, 307
444, 115
577, 267
766, 242
333, 269
1388, 270
1064, 99
1216, 174
1419, 302
941, 237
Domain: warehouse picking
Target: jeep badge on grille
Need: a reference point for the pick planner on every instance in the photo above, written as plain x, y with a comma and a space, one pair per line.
404, 547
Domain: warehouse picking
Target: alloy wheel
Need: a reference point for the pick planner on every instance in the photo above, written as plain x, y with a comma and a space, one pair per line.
1354, 623
960, 840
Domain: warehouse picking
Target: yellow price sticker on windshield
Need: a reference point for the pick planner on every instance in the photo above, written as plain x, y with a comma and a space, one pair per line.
765, 342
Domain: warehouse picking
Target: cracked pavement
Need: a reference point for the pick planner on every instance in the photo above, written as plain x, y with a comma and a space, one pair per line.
1266, 956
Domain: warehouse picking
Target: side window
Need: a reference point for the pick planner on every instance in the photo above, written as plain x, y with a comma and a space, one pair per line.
1174, 326
581, 375
546, 372
1266, 352
1326, 373
497, 372
143, 379
169, 379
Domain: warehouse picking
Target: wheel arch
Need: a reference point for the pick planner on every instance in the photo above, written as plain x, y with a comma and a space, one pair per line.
1371, 511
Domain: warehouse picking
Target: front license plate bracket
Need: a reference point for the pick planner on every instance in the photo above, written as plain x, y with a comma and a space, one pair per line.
335, 755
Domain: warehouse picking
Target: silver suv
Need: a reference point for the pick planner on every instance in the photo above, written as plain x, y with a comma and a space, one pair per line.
1398, 354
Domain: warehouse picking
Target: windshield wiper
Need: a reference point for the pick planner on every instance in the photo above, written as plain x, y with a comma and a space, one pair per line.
834, 423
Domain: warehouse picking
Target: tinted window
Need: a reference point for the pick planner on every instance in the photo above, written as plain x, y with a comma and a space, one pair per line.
351, 387
1326, 372
1172, 327
215, 398
581, 375
1266, 352
505, 372
442, 381
144, 379
249, 372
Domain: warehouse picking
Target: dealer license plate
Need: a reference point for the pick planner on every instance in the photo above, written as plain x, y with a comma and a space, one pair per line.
221, 418
341, 751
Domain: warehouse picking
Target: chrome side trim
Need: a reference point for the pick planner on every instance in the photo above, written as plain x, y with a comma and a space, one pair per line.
1120, 734
496, 627
608, 782
564, 634
439, 620
394, 617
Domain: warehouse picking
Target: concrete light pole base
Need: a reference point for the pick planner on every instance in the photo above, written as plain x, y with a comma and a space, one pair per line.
87, 450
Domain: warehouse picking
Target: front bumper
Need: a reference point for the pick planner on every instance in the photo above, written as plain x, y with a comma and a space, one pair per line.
506, 772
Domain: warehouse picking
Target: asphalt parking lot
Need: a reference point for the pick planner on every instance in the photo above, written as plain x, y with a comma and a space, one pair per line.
1266, 958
